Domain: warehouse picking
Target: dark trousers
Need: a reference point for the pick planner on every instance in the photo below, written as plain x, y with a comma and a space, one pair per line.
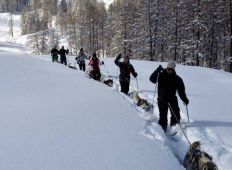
54, 58
63, 60
163, 109
82, 66
95, 74
124, 87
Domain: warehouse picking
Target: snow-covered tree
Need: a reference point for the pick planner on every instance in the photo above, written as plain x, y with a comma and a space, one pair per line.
11, 25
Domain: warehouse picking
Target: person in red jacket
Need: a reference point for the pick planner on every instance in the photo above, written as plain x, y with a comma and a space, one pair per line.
95, 64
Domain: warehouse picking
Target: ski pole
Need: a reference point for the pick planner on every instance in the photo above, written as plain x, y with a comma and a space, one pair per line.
179, 124
137, 84
187, 112
68, 59
153, 100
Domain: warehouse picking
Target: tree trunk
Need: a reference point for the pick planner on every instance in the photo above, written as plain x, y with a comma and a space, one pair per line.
212, 44
150, 31
176, 29
162, 51
156, 26
102, 38
230, 34
125, 27
198, 34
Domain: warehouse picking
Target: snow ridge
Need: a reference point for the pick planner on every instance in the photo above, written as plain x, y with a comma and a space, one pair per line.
222, 154
211, 143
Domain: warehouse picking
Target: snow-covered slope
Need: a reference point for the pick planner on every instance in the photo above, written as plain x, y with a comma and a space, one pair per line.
209, 92
52, 117
4, 28
206, 123
14, 44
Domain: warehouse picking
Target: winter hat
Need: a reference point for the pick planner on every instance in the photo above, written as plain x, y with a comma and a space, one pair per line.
171, 64
81, 49
94, 54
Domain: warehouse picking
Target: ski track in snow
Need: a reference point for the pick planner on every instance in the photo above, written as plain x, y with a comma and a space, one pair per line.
211, 143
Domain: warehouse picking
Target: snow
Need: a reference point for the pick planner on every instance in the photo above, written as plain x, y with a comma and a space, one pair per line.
53, 117
209, 92
107, 2
14, 44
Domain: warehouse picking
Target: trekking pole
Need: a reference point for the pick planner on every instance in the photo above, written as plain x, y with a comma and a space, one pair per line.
153, 100
68, 58
187, 112
185, 135
137, 84
75, 61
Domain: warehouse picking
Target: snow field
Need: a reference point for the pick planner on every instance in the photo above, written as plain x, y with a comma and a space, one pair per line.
214, 141
209, 92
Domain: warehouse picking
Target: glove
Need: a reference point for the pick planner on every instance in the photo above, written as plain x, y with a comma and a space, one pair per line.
135, 74
159, 69
119, 56
186, 101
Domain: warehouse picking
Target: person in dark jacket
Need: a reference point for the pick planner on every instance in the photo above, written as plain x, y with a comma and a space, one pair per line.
63, 53
168, 84
126, 68
54, 54
94, 62
81, 57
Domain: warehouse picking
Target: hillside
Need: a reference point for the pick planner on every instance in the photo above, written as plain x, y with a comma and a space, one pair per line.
53, 117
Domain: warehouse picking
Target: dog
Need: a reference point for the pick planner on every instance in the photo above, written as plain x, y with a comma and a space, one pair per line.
143, 103
72, 67
108, 82
195, 159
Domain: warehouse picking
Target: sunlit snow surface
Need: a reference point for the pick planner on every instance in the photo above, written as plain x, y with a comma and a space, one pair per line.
53, 117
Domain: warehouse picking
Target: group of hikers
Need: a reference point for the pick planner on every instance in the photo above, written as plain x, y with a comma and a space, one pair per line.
168, 84
168, 81
62, 52
94, 61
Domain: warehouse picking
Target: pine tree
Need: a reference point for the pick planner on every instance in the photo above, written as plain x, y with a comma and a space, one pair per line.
11, 25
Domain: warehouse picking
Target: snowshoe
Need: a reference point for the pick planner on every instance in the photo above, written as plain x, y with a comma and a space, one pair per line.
171, 134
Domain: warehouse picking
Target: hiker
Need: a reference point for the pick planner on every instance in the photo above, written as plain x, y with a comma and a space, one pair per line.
94, 63
126, 69
54, 54
81, 57
63, 53
168, 84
